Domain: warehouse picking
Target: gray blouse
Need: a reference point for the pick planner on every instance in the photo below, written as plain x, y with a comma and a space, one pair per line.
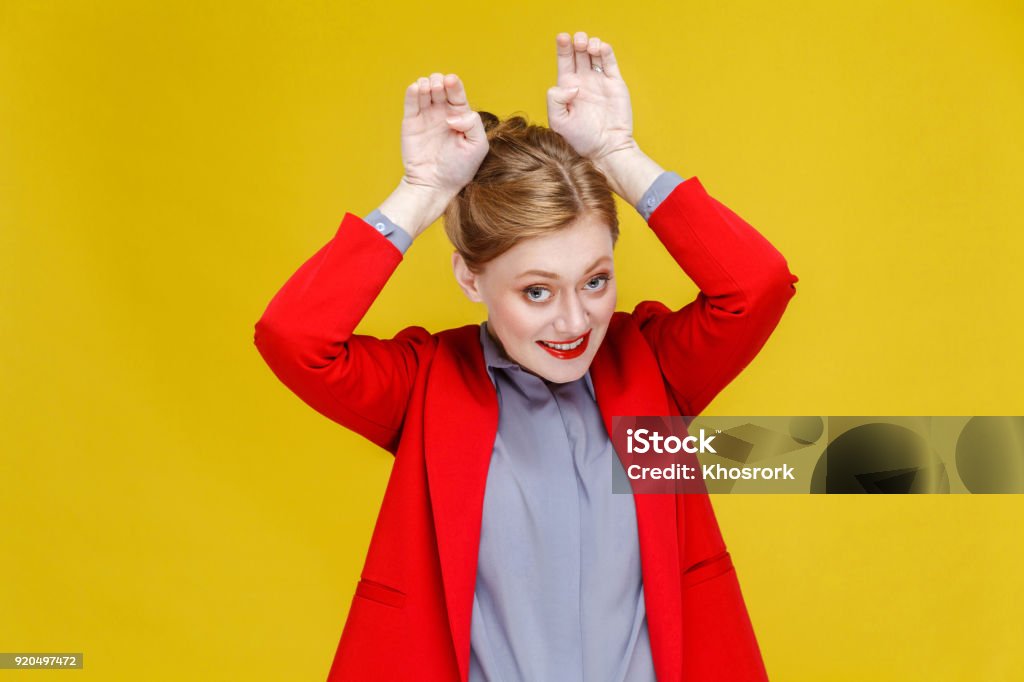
559, 593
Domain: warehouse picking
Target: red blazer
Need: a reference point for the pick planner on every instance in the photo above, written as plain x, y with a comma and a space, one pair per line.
427, 399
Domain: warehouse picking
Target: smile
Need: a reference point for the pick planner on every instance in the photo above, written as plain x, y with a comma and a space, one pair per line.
566, 350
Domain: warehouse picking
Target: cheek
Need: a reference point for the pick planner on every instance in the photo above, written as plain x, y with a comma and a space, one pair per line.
517, 319
604, 307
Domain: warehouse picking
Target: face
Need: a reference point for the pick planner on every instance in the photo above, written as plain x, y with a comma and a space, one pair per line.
549, 299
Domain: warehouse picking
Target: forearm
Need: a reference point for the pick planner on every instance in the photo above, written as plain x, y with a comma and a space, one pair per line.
725, 256
307, 336
414, 208
321, 304
745, 285
630, 172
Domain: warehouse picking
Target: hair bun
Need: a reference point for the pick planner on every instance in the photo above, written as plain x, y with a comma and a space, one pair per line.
495, 127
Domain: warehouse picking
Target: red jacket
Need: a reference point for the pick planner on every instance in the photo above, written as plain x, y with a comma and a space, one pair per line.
427, 399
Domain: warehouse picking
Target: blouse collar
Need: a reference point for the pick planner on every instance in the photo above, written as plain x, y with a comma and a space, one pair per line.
495, 358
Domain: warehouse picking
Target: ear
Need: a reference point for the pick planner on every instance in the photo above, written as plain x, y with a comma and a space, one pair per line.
466, 279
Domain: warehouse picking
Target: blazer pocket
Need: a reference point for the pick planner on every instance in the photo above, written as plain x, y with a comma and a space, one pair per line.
380, 593
707, 569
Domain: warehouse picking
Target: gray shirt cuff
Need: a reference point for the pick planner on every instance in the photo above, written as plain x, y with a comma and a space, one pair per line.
656, 193
396, 235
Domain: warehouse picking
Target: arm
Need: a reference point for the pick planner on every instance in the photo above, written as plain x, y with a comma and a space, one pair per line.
700, 348
745, 286
306, 335
744, 282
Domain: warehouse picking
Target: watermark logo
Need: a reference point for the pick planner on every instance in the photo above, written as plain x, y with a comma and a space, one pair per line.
648, 441
821, 455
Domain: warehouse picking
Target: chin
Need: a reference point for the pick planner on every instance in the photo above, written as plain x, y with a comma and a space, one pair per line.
564, 377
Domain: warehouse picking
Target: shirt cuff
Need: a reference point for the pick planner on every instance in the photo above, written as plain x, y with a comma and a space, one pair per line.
396, 235
656, 193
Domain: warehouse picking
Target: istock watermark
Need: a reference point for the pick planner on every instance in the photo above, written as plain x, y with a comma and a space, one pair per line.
821, 455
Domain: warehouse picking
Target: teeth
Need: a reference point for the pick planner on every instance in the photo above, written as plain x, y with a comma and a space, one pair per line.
564, 346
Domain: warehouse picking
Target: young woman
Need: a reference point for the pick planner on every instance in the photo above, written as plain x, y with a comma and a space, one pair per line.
500, 552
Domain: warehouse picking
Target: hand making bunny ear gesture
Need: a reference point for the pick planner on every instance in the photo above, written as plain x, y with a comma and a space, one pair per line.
591, 109
443, 139
590, 105
443, 145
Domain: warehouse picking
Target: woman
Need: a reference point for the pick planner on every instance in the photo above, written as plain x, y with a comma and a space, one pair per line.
500, 552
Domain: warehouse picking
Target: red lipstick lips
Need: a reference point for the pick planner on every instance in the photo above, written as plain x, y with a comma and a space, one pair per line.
567, 354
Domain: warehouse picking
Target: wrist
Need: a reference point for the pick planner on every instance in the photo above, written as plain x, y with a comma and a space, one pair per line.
629, 171
414, 207
623, 154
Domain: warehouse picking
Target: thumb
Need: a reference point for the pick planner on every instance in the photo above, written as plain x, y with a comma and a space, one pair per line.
469, 124
463, 122
559, 98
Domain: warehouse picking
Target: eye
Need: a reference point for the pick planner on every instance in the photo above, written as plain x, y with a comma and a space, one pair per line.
537, 294
597, 283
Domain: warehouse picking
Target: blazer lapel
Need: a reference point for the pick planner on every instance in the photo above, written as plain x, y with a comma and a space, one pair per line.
461, 422
627, 382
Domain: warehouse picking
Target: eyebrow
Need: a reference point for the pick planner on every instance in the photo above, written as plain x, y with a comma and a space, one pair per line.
552, 275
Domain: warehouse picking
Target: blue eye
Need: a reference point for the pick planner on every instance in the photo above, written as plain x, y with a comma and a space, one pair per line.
539, 294
540, 298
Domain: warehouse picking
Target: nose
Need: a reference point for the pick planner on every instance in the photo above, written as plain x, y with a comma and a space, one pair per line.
572, 318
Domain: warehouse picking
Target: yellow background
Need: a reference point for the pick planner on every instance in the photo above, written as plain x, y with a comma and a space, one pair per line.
173, 512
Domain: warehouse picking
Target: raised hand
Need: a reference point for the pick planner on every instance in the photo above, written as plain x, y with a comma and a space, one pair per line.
590, 105
443, 140
590, 108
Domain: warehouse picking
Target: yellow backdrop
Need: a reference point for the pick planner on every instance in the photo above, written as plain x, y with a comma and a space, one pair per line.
173, 512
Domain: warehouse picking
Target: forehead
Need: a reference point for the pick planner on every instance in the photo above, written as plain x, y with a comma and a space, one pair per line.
567, 252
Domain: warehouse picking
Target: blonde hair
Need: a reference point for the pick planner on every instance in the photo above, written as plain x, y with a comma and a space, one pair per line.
531, 183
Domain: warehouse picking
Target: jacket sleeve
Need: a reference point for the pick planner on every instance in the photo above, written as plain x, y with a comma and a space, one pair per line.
306, 336
745, 285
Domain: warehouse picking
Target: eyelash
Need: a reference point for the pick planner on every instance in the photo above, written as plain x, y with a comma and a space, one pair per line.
527, 290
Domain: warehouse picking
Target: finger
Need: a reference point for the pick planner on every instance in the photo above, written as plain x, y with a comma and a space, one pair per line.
423, 92
469, 123
475, 132
437, 95
455, 92
608, 61
594, 50
412, 100
559, 99
579, 45
566, 55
